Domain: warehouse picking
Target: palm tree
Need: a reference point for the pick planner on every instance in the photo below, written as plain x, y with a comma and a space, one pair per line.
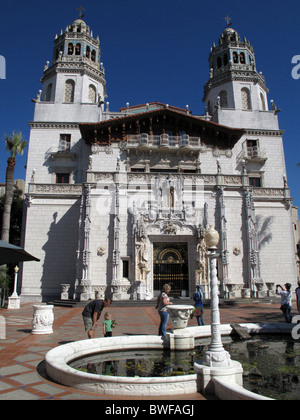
15, 145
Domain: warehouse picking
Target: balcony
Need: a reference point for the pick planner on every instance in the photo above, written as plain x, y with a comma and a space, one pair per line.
253, 154
164, 141
63, 151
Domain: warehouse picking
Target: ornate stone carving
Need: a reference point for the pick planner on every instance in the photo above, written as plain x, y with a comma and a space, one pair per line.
101, 251
43, 318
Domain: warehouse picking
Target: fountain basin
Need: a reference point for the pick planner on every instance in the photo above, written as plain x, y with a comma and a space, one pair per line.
58, 369
180, 315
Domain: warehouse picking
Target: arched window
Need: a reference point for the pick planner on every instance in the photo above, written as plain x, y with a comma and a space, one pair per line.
225, 59
78, 49
223, 99
88, 52
235, 57
246, 99
219, 62
69, 91
70, 49
92, 94
262, 100
93, 56
242, 58
48, 93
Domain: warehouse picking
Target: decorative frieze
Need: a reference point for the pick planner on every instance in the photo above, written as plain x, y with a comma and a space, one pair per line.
57, 189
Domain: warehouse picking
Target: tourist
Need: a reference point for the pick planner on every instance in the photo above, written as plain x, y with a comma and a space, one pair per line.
198, 313
107, 325
286, 301
163, 300
298, 296
92, 313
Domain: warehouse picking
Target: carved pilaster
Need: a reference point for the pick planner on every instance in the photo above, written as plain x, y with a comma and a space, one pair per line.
224, 244
252, 239
86, 280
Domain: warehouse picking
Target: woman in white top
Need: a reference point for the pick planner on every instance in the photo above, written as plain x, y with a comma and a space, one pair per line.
286, 301
163, 300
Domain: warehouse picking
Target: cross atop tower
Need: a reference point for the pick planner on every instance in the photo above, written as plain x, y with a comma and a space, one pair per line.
80, 11
228, 20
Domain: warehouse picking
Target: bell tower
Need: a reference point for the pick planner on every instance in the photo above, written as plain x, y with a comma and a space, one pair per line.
234, 83
73, 85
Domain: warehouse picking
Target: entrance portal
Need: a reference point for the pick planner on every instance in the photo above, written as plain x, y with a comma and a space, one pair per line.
171, 267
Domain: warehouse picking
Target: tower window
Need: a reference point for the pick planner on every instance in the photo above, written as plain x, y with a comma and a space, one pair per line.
88, 52
48, 93
242, 58
93, 56
92, 94
246, 99
262, 100
69, 91
225, 59
78, 49
235, 57
70, 49
219, 62
223, 99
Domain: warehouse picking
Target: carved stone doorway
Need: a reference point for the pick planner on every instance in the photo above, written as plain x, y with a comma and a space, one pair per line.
170, 265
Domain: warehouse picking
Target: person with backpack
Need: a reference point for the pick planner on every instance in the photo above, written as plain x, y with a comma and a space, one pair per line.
198, 313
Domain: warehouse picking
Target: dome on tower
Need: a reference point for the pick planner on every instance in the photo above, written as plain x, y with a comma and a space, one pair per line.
229, 35
79, 26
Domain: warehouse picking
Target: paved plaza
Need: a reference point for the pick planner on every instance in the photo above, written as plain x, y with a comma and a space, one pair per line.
22, 375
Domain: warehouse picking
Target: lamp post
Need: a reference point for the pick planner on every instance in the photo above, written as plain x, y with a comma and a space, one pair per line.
14, 299
216, 363
16, 270
216, 356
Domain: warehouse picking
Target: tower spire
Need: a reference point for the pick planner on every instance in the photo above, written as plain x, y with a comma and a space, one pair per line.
80, 12
228, 20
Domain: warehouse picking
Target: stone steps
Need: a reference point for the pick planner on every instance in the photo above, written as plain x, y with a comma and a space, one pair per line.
152, 303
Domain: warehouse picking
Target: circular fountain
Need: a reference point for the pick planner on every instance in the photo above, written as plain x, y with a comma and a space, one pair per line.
58, 359
58, 369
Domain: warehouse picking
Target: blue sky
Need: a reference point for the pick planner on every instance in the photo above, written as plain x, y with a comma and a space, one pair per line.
154, 50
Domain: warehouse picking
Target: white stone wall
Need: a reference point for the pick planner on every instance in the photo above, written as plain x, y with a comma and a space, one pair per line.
277, 255
52, 236
44, 143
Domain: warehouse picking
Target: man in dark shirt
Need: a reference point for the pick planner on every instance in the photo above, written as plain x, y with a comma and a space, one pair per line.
92, 313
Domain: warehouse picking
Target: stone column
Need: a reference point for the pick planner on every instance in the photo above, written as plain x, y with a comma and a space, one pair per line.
216, 356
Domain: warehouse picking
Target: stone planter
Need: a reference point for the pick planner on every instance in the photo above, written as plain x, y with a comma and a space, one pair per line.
180, 315
64, 291
271, 289
43, 318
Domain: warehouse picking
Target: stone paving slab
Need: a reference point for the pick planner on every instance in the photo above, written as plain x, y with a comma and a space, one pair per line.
22, 375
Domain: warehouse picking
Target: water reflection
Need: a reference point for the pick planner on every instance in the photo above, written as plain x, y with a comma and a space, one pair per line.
271, 365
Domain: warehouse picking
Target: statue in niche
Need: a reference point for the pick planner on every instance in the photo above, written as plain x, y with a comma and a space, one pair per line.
142, 253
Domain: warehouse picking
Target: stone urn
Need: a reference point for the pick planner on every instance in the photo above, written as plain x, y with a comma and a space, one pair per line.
180, 315
43, 318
